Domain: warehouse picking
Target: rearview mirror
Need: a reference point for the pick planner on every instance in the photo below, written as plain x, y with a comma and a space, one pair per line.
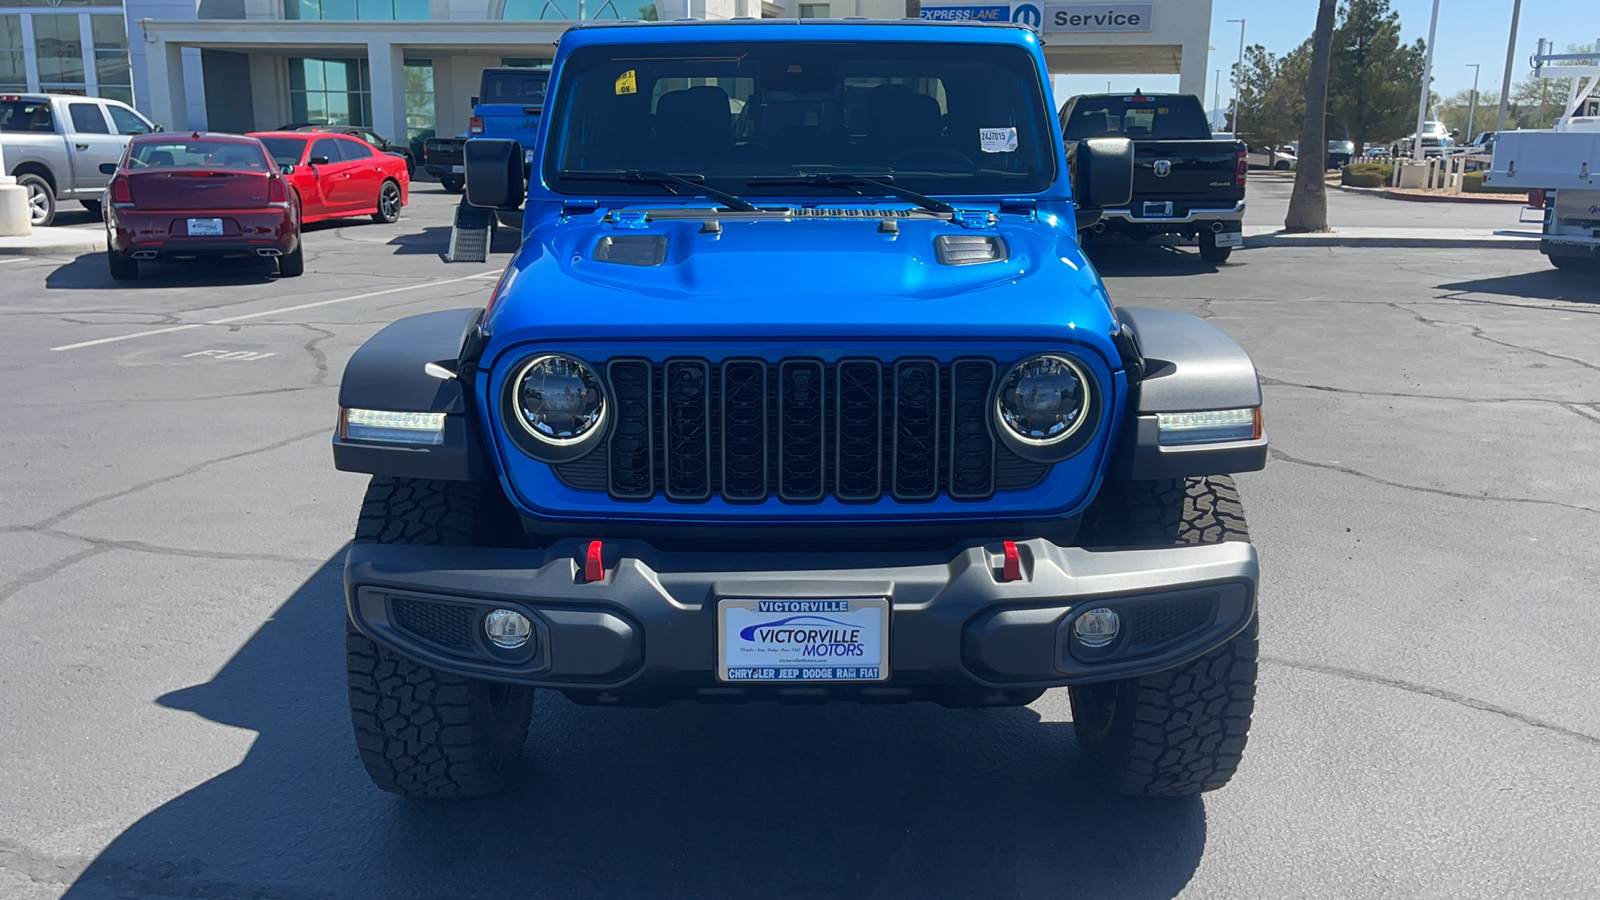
108, 168
318, 160
494, 173
1102, 173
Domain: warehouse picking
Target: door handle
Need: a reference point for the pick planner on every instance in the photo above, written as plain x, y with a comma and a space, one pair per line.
81, 146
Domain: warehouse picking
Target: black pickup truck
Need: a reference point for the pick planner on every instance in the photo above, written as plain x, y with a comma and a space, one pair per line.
1184, 181
444, 159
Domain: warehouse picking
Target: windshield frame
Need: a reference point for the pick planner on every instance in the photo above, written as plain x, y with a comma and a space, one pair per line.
1044, 180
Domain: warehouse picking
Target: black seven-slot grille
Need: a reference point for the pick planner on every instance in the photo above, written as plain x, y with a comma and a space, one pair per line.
801, 430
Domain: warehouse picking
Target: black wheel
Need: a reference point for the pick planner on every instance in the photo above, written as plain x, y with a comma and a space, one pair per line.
388, 204
422, 732
123, 268
1282, 166
1589, 265
1210, 252
93, 206
293, 265
1181, 731
453, 183
41, 199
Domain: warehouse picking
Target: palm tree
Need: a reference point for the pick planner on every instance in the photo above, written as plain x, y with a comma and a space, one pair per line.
1308, 205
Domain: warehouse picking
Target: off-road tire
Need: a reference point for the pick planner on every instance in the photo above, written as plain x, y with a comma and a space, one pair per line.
453, 183
293, 265
1181, 731
1210, 252
123, 268
422, 732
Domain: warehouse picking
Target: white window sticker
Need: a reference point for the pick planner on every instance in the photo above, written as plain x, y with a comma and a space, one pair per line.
997, 140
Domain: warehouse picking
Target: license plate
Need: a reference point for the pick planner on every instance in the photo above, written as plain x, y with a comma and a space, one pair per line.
205, 227
457, 170
527, 157
1230, 239
1162, 209
803, 640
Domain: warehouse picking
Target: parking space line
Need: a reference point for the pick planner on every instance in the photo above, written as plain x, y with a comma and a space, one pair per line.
273, 312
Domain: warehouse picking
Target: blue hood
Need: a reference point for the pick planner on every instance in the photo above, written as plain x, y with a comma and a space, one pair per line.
798, 279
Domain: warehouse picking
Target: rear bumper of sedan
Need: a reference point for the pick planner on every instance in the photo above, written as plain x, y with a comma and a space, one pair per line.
151, 234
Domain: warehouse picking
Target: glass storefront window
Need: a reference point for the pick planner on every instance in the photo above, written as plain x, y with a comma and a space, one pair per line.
560, 10
346, 10
420, 122
13, 74
65, 63
59, 45
330, 91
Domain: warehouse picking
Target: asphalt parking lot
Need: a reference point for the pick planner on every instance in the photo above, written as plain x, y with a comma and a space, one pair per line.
172, 709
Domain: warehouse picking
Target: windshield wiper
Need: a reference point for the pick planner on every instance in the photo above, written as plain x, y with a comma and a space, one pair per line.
665, 180
848, 180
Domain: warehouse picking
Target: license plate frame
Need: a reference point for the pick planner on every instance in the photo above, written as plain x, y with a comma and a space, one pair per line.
859, 624
1230, 239
1156, 209
457, 170
205, 228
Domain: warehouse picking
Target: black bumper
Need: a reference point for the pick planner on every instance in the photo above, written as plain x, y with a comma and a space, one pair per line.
647, 631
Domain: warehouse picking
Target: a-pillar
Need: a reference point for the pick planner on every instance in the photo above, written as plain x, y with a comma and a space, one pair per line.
386, 63
169, 98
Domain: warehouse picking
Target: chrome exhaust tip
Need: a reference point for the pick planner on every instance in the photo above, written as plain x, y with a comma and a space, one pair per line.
143, 254
269, 252
1216, 227
1099, 228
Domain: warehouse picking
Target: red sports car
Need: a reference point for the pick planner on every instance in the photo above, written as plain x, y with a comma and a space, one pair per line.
199, 195
337, 175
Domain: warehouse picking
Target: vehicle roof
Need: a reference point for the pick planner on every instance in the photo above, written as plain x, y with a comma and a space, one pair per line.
751, 29
26, 95
220, 137
304, 135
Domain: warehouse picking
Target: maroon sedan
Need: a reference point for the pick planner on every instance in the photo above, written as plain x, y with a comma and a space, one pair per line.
199, 195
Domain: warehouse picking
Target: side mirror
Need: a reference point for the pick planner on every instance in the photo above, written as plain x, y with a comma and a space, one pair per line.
286, 169
494, 173
318, 160
108, 168
159, 128
1103, 175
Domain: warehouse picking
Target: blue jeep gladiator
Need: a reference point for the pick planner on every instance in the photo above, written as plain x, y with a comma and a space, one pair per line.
801, 389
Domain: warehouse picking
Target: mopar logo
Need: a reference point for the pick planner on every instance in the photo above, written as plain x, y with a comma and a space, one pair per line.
1163, 168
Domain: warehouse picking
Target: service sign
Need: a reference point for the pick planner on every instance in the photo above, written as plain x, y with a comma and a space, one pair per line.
1097, 17
803, 640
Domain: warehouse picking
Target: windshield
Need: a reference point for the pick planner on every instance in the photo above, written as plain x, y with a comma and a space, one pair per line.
196, 153
514, 88
938, 118
285, 151
1137, 118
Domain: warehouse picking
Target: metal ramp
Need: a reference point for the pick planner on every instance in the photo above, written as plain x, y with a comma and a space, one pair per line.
469, 236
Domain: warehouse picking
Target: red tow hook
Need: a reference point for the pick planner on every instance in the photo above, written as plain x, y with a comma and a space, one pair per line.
1011, 569
593, 568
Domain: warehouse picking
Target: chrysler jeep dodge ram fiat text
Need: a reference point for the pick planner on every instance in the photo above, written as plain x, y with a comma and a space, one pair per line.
800, 388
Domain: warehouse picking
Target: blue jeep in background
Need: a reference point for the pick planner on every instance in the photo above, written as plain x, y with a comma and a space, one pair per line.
800, 388
509, 103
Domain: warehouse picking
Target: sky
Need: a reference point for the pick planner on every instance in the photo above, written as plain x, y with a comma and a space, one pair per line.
1470, 31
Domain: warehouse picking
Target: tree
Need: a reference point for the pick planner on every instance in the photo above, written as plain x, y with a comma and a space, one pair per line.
1373, 78
1456, 113
647, 13
1272, 95
1308, 204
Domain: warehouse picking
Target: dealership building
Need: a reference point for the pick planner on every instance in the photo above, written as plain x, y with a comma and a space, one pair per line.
411, 67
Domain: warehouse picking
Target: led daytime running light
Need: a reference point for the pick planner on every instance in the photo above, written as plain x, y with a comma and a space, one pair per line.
394, 427
1209, 427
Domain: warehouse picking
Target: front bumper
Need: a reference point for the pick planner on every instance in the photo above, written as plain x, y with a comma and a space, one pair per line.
647, 631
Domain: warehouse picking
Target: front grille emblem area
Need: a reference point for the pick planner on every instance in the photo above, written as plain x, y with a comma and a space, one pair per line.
1163, 168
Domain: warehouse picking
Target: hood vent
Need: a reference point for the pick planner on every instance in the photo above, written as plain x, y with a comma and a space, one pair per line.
632, 249
970, 249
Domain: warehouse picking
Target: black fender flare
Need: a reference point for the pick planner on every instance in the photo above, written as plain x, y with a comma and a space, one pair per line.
417, 364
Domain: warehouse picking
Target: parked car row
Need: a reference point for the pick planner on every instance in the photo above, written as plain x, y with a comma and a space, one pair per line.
205, 195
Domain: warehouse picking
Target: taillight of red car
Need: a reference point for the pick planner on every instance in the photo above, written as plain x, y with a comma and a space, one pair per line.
475, 125
1241, 168
277, 192
121, 193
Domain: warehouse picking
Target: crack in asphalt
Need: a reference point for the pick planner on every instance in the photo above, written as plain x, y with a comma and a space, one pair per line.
1268, 381
51, 520
1277, 454
1477, 331
1590, 411
317, 356
1437, 693
44, 573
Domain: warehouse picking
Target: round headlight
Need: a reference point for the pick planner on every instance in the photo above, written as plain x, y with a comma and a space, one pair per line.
558, 399
1044, 400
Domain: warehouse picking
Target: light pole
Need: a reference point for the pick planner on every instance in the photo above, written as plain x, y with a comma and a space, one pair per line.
1238, 77
1472, 115
1216, 98
1511, 52
1427, 79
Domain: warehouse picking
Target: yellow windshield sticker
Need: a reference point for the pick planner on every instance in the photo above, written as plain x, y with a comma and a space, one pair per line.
627, 83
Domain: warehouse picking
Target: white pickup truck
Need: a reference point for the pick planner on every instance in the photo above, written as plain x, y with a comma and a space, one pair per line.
55, 143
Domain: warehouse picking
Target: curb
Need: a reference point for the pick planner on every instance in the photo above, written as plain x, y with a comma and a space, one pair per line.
1390, 194
1334, 239
96, 244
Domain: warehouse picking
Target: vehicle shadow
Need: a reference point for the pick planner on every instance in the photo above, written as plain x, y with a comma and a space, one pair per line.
684, 801
89, 272
1129, 258
1546, 283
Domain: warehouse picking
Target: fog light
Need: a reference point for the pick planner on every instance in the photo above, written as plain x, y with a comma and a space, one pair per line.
507, 628
1096, 628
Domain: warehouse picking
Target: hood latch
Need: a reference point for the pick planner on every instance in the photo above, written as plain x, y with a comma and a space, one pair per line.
973, 218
